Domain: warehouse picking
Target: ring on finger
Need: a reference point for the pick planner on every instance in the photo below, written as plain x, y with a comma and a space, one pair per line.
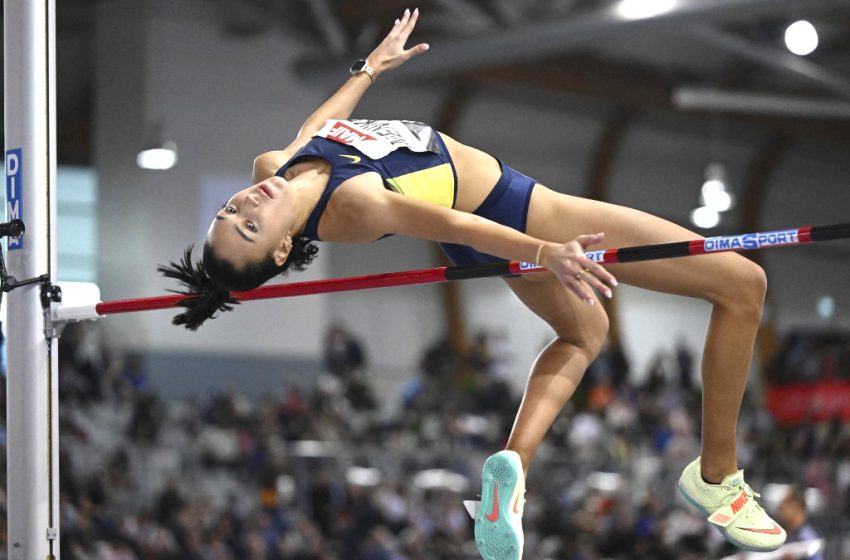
581, 273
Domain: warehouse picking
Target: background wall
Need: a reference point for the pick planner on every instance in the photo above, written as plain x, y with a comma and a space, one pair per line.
223, 102
225, 99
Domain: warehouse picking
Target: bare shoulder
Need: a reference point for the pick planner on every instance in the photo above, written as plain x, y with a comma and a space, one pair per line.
267, 164
354, 210
360, 194
366, 210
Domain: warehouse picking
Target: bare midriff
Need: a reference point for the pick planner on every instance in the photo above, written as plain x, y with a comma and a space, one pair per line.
477, 174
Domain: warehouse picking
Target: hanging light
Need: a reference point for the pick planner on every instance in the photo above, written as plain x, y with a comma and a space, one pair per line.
826, 306
643, 9
714, 198
705, 217
160, 158
714, 193
157, 153
801, 38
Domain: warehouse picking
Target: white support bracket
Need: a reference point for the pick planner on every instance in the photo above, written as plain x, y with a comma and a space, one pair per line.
78, 303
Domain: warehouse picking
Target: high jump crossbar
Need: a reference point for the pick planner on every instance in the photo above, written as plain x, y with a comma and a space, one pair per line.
743, 242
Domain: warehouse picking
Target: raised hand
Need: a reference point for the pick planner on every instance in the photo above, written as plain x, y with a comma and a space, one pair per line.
575, 271
391, 52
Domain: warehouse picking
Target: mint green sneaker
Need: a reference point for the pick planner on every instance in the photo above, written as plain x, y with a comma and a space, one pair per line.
498, 523
731, 506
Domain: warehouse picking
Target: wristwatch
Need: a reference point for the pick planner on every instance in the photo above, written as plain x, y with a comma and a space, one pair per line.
362, 67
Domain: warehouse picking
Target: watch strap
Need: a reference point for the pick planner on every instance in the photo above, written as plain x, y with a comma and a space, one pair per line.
365, 68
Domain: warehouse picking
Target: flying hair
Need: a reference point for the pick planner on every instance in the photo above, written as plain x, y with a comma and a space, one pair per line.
204, 297
208, 283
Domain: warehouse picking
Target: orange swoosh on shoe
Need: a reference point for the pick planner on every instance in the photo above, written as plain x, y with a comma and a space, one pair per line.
775, 530
516, 503
494, 515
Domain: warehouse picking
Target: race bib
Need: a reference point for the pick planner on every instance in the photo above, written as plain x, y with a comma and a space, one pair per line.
376, 139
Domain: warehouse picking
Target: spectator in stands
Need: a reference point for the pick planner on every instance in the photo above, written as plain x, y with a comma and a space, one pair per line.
165, 500
440, 359
344, 354
793, 515
685, 364
479, 356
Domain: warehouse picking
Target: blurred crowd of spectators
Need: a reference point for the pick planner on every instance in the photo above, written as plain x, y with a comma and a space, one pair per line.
322, 472
811, 356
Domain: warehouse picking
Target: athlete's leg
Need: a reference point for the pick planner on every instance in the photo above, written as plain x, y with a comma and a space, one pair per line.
734, 285
581, 330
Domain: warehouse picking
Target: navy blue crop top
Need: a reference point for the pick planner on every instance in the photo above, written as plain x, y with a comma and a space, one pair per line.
425, 175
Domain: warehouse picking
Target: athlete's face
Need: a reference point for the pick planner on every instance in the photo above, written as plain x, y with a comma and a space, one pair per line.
254, 223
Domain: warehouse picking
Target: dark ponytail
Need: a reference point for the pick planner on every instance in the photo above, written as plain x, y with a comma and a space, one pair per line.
204, 297
208, 283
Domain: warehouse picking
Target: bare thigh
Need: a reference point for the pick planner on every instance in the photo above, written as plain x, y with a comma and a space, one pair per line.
559, 217
572, 319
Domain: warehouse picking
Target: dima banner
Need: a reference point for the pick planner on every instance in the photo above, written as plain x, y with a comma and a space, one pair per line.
14, 193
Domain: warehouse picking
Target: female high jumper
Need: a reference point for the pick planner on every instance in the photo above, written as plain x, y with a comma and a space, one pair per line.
355, 181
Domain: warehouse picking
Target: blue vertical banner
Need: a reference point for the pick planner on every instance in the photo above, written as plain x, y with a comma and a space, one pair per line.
14, 193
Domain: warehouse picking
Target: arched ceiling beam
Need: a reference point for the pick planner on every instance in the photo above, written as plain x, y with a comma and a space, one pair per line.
760, 172
605, 154
452, 107
448, 116
599, 172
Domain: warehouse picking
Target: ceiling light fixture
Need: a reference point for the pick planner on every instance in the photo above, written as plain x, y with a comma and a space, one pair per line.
705, 217
714, 193
161, 158
801, 38
644, 9
157, 153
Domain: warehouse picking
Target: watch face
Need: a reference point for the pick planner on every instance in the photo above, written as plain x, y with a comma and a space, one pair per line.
358, 66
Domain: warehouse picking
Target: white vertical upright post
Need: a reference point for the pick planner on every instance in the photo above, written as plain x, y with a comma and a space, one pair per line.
32, 419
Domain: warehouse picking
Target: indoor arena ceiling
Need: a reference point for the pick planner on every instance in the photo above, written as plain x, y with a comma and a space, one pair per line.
718, 56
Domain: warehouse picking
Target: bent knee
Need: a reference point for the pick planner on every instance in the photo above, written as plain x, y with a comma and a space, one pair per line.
745, 288
751, 283
588, 334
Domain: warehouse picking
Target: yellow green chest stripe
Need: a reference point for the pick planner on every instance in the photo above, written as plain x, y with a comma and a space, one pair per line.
434, 184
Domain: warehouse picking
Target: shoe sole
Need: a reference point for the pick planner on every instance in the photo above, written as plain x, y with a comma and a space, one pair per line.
500, 539
722, 530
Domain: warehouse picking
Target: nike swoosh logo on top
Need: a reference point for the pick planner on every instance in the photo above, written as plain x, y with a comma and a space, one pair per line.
355, 159
516, 503
494, 515
775, 530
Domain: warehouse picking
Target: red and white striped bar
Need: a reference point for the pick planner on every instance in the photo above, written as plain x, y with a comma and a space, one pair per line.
743, 242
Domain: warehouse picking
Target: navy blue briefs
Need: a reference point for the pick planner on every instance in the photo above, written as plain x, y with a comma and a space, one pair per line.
507, 204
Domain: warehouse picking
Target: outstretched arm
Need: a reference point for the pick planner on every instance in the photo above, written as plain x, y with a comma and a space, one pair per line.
386, 56
372, 212
389, 54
